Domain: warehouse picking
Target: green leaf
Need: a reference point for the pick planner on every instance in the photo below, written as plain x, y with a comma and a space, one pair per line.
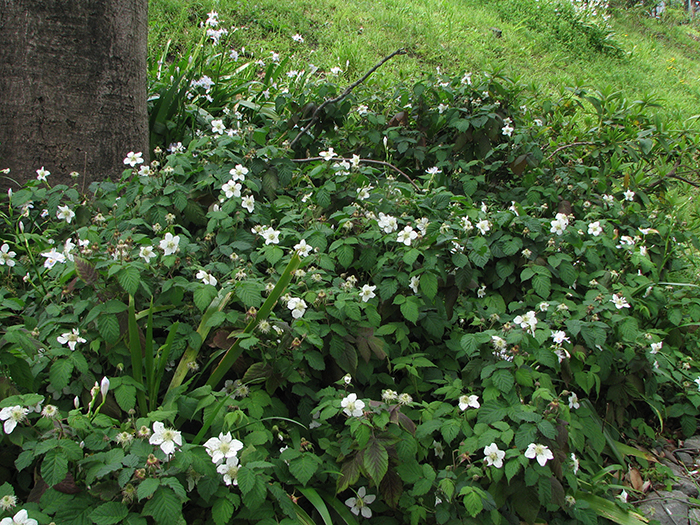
409, 309
222, 511
147, 488
254, 498
54, 467
125, 396
304, 467
344, 354
472, 501
60, 374
246, 479
480, 253
450, 429
129, 277
542, 285
512, 468
429, 285
250, 293
503, 380
109, 513
203, 296
164, 506
391, 488
376, 460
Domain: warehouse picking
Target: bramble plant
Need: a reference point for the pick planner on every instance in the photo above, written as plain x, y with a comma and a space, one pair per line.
432, 305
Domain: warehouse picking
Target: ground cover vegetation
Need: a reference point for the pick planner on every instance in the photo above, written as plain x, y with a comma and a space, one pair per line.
452, 301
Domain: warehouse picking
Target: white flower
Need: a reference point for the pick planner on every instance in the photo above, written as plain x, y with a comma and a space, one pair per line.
104, 386
527, 321
347, 379
483, 226
498, 342
327, 155
229, 470
223, 447
389, 395
363, 193
387, 223
404, 399
65, 213
608, 199
619, 301
71, 338
271, 236
170, 244
468, 401
8, 502
6, 256
145, 170
481, 292
302, 248
442, 108
655, 347
352, 406
298, 38
595, 229
41, 174
539, 452
494, 456
574, 460
367, 293
467, 79
132, 159
238, 173
11, 416
359, 504
559, 337
433, 171
406, 236
629, 195
167, 438
623, 496
248, 202
362, 110
297, 306
52, 258
232, 189
206, 277
21, 518
413, 284
507, 130
573, 401
50, 411
467, 224
217, 126
147, 253
438, 449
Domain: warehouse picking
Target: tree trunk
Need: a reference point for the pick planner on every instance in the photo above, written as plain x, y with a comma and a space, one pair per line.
73, 88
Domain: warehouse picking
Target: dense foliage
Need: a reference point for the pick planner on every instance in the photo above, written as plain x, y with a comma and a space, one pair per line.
450, 303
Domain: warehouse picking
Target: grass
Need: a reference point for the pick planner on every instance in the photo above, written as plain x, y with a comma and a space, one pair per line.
658, 58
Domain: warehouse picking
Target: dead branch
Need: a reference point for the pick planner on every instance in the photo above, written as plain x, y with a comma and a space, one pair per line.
365, 161
345, 93
572, 145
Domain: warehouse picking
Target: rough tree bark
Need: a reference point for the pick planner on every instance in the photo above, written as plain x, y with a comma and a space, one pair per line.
73, 87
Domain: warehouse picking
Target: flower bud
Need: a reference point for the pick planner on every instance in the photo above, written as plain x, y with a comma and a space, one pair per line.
76, 402
104, 387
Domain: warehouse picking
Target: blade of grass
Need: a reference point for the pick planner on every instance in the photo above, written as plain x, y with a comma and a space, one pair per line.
235, 351
148, 360
163, 359
136, 354
317, 501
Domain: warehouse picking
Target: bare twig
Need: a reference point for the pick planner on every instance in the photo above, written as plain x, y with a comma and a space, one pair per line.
347, 91
365, 161
572, 145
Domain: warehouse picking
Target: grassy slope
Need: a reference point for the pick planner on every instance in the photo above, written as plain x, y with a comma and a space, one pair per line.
456, 35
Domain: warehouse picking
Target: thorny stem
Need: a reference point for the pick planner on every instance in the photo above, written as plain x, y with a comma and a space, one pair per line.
366, 161
345, 93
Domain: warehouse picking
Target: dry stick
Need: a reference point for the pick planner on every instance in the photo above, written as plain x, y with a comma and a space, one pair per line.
572, 145
345, 94
366, 161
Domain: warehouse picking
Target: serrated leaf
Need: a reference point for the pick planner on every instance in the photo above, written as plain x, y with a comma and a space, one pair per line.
108, 327
222, 511
472, 501
256, 496
345, 255
246, 479
375, 460
512, 468
344, 354
428, 285
86, 271
567, 273
391, 488
109, 513
125, 396
203, 296
450, 429
54, 467
60, 374
147, 488
250, 293
129, 278
409, 309
503, 380
349, 474
164, 506
542, 285
304, 467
